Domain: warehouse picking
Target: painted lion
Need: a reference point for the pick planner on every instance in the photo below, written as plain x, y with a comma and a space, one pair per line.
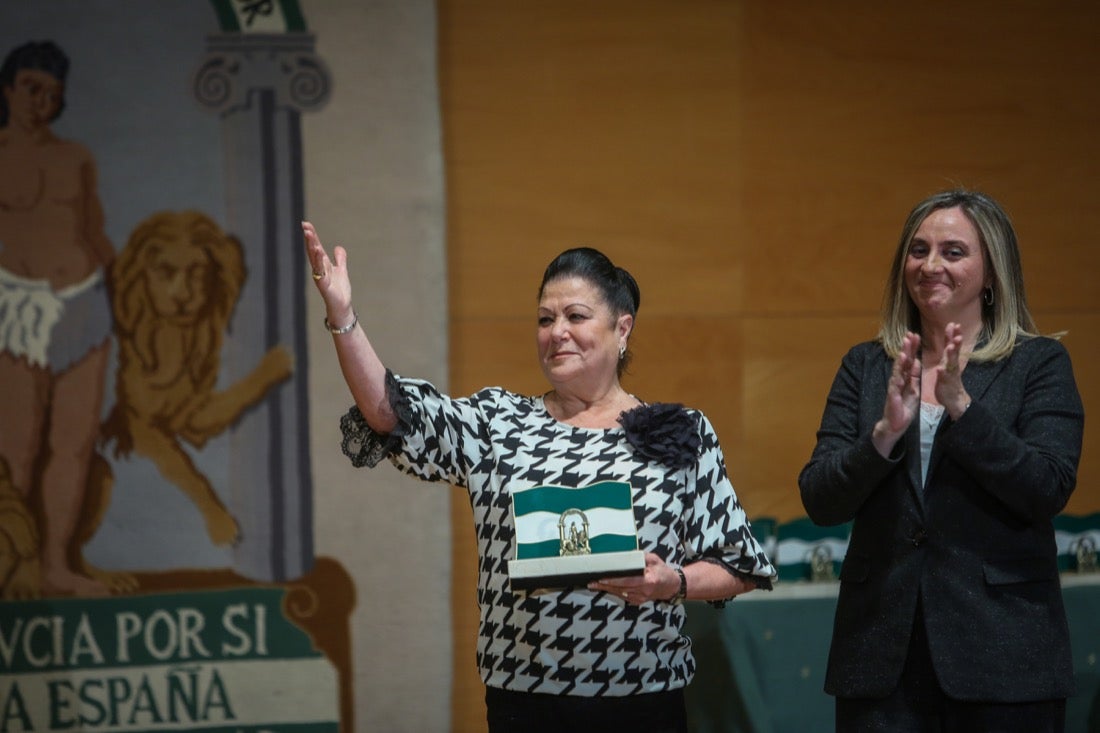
18, 542
173, 290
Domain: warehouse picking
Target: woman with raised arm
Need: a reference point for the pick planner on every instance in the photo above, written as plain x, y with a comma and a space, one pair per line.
608, 653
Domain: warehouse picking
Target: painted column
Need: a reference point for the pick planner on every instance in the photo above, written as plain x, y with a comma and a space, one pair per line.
258, 84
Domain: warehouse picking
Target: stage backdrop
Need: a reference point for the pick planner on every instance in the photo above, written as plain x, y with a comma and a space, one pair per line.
182, 544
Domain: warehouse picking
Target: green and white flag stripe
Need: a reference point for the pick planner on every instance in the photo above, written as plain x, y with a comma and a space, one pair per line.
791, 544
557, 499
1077, 539
599, 544
607, 505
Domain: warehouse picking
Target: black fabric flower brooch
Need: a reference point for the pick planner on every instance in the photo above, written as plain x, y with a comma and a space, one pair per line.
663, 432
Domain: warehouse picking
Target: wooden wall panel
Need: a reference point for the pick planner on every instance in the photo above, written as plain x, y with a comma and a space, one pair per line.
578, 123
751, 164
788, 366
854, 111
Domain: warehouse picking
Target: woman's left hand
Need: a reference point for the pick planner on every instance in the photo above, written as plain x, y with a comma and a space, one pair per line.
950, 391
659, 582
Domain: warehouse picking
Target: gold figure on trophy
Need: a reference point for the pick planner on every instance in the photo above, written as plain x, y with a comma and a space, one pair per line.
573, 541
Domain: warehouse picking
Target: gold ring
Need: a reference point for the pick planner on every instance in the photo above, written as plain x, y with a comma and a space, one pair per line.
318, 275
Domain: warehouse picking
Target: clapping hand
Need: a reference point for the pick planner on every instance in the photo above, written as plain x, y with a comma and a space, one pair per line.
902, 396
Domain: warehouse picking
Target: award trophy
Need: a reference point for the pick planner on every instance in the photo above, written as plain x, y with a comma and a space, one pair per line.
567, 537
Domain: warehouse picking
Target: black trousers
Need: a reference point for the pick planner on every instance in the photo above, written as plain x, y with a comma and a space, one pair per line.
529, 712
919, 705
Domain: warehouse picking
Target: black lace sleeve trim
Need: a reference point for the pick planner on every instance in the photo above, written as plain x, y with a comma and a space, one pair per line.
664, 432
755, 580
362, 444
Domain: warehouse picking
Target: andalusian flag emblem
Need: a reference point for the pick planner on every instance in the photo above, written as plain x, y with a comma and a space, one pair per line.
567, 536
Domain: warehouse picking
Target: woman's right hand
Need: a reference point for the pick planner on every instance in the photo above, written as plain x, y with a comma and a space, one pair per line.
902, 397
330, 275
363, 370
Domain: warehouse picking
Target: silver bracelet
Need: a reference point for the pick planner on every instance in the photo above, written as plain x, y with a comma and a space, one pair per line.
343, 329
681, 594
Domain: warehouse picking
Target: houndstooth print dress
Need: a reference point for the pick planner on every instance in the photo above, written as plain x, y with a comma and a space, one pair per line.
572, 641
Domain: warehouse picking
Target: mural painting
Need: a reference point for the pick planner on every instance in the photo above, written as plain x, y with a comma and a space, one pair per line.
173, 290
56, 320
156, 557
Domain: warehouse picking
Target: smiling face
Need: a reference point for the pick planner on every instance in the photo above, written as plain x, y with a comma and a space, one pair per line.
578, 336
945, 269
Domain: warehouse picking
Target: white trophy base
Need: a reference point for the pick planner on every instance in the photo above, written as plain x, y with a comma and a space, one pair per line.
569, 570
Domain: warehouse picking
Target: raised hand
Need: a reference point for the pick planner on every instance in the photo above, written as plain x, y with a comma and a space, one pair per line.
950, 391
363, 370
331, 277
902, 396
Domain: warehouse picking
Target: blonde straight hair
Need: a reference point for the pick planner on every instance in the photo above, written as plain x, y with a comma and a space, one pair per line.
1006, 319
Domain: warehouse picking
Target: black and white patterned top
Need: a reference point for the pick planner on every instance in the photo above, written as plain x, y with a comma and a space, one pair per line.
573, 641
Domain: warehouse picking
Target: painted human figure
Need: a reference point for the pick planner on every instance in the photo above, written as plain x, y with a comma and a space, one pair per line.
55, 317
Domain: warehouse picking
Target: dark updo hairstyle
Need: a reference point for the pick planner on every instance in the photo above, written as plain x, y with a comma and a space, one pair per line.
618, 287
36, 55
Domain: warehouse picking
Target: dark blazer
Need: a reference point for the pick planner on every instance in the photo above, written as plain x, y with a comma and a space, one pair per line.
976, 542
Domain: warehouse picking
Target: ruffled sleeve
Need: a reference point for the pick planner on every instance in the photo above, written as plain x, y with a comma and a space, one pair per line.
362, 444
720, 531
